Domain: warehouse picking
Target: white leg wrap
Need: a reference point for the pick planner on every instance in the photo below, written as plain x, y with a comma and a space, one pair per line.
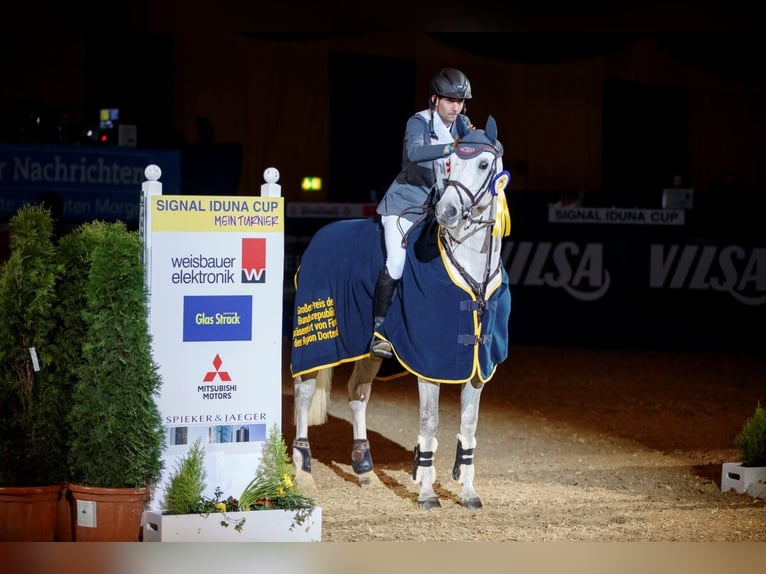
304, 394
359, 412
466, 442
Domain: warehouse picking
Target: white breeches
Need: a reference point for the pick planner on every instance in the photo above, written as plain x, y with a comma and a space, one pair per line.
394, 228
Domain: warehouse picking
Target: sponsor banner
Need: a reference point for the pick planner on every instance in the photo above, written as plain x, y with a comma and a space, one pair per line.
218, 214
216, 320
631, 292
587, 271
85, 182
615, 215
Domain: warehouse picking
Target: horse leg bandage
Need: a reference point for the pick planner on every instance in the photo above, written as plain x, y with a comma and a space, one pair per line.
361, 460
424, 458
302, 449
463, 456
359, 412
304, 394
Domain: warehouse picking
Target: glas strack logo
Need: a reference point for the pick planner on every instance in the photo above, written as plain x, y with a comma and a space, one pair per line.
253, 260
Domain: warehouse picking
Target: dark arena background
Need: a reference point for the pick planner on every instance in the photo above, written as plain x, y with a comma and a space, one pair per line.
637, 256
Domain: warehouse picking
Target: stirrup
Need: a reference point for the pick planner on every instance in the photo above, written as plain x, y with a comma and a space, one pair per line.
381, 348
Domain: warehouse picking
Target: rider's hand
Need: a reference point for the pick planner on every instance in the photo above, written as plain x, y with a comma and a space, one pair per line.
450, 148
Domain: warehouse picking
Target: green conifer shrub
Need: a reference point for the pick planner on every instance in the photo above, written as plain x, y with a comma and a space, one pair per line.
32, 440
751, 441
117, 433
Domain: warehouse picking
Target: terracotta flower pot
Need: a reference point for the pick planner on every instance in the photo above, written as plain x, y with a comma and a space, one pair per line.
65, 516
107, 514
28, 513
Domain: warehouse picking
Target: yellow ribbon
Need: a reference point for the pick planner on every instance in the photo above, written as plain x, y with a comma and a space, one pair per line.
502, 226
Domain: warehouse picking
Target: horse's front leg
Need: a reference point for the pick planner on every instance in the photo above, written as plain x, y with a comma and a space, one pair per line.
463, 470
423, 470
359, 389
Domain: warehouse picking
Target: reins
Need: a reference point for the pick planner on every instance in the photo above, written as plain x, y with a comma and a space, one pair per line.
427, 209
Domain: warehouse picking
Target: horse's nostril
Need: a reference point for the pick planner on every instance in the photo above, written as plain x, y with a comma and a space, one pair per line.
447, 215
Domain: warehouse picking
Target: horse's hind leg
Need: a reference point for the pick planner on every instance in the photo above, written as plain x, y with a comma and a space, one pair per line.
463, 470
305, 388
423, 470
359, 389
310, 409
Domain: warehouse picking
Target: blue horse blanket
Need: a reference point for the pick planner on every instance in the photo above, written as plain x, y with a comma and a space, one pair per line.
432, 323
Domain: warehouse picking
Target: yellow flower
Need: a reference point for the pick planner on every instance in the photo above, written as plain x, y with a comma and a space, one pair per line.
220, 507
280, 491
288, 481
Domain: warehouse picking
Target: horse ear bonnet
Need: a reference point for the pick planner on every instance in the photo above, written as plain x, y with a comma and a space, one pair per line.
487, 136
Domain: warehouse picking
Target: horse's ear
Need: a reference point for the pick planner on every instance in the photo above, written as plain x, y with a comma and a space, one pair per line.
491, 129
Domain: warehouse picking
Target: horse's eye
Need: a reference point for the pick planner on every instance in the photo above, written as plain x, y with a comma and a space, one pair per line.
484, 164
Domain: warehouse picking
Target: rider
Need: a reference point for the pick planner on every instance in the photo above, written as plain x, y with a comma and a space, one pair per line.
429, 138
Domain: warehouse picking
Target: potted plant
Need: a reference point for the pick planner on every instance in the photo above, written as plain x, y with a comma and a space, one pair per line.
749, 474
117, 433
271, 508
32, 441
74, 253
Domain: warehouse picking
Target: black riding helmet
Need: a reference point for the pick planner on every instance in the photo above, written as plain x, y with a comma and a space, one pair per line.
451, 83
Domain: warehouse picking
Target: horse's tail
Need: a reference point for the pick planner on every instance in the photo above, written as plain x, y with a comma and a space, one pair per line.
318, 411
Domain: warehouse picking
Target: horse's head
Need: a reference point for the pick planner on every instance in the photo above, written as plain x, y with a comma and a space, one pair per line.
475, 181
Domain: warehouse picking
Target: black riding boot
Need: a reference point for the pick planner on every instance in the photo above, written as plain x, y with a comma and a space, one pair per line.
384, 294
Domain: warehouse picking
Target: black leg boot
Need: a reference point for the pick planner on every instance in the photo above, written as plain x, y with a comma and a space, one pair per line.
384, 294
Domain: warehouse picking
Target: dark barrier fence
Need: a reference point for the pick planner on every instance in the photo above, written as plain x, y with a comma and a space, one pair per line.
606, 277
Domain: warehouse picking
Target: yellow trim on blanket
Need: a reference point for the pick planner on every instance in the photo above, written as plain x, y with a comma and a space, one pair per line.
327, 365
475, 370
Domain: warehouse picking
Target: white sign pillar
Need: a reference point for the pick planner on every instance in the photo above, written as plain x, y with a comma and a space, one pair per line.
215, 271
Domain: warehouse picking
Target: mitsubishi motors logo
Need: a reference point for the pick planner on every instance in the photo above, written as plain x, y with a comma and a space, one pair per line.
211, 375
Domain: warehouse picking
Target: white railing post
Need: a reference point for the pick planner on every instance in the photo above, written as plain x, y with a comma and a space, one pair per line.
152, 186
271, 188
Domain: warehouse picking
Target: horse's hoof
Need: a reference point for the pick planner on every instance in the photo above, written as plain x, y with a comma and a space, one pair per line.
429, 504
305, 482
471, 503
364, 465
368, 480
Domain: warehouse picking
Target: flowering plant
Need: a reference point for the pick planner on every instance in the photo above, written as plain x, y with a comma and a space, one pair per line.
217, 504
272, 487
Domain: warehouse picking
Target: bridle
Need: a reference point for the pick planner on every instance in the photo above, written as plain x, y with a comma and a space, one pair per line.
463, 151
474, 198
468, 151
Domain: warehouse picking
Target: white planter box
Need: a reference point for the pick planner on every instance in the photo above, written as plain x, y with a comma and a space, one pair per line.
744, 479
259, 526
